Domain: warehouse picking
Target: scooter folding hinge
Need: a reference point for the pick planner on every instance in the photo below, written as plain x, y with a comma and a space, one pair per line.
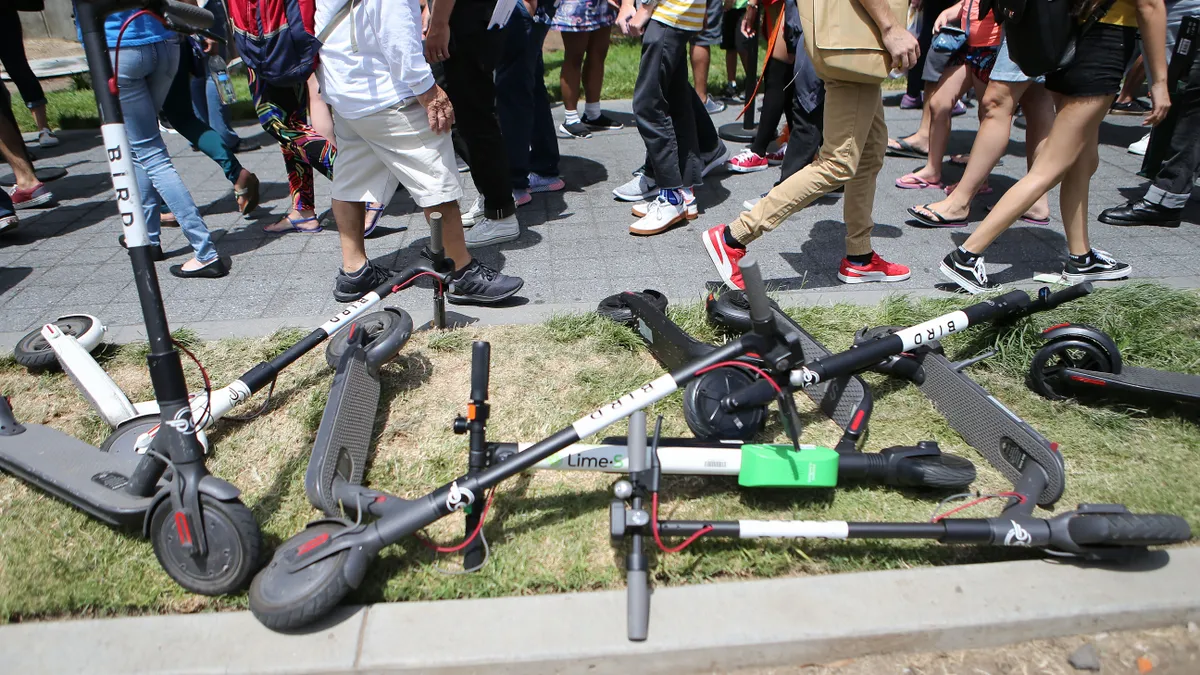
959, 366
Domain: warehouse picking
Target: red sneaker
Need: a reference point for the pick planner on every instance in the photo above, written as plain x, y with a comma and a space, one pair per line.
877, 270
725, 257
776, 158
34, 196
748, 161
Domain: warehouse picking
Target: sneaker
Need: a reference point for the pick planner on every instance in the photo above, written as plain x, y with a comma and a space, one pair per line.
474, 214
164, 127
725, 257
910, 102
351, 287
959, 108
640, 209
602, 122
748, 161
478, 284
714, 159
47, 139
1132, 107
660, 216
521, 197
9, 223
971, 276
712, 107
1139, 147
38, 195
1096, 265
545, 183
246, 145
776, 158
490, 232
461, 163
735, 93
639, 189
749, 204
876, 270
575, 130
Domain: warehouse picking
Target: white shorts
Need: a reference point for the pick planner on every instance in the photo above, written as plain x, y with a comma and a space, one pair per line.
392, 147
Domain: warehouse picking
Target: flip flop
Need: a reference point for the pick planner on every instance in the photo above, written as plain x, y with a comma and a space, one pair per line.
912, 181
904, 149
934, 219
1030, 219
296, 226
983, 191
249, 193
374, 214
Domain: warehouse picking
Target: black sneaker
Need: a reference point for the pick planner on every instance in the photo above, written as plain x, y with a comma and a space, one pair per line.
574, 130
970, 275
479, 284
348, 288
602, 122
1095, 265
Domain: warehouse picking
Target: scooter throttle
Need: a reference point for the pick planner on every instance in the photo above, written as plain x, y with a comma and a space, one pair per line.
185, 18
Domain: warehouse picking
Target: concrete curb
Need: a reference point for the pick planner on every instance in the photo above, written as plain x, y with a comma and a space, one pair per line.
716, 626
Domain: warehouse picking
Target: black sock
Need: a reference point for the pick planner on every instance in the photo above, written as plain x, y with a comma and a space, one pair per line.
967, 256
1081, 258
730, 241
860, 260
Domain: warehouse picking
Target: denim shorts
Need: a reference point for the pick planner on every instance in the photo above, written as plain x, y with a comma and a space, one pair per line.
1101, 56
1004, 70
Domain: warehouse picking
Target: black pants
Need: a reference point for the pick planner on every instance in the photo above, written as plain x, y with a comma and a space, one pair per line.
470, 84
12, 55
1173, 182
664, 104
805, 139
522, 101
779, 97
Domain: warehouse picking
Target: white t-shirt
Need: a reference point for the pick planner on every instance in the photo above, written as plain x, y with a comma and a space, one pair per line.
374, 58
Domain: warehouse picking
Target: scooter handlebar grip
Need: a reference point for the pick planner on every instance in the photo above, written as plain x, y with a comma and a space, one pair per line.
756, 290
186, 18
1069, 293
435, 235
757, 394
637, 604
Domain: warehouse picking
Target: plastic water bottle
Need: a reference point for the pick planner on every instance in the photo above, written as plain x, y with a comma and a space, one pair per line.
220, 76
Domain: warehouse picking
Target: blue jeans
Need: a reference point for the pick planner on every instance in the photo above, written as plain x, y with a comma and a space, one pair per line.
205, 100
531, 144
6, 205
144, 76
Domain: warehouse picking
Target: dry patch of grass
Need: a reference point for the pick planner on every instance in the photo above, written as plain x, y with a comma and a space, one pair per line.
548, 531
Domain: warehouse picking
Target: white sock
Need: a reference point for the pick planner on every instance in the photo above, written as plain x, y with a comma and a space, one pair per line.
572, 116
591, 110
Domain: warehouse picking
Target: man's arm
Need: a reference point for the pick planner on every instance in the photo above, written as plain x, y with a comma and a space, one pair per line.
1152, 23
398, 32
437, 38
901, 46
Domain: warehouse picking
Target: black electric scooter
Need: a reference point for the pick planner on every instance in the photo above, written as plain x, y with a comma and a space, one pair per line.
202, 534
1078, 359
311, 572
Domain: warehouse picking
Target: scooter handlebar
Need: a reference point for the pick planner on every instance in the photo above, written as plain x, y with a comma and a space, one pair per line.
756, 290
185, 18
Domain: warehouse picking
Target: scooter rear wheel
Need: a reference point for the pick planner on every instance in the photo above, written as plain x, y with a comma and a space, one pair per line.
35, 353
1045, 371
234, 547
285, 601
705, 416
379, 325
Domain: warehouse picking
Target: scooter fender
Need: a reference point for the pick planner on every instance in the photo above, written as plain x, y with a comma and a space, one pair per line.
93, 336
105, 397
383, 350
1082, 331
210, 485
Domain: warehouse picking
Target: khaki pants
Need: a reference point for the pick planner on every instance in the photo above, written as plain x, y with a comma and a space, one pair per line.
852, 154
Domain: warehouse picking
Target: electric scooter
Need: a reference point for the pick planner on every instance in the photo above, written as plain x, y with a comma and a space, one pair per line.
311, 572
1080, 359
202, 534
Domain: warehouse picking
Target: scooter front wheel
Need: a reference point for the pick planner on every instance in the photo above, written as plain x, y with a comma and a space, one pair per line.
35, 353
234, 546
285, 600
1045, 371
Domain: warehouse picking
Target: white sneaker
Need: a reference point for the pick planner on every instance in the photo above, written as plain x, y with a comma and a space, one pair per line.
749, 204
638, 189
640, 209
489, 232
9, 223
474, 214
1139, 148
660, 216
47, 139
461, 164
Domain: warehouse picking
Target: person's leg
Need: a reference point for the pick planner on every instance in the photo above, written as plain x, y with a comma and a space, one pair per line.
575, 46
1173, 183
1073, 195
179, 111
940, 104
1135, 79
16, 64
731, 61
593, 67
775, 82
515, 96
701, 59
543, 146
804, 141
858, 205
651, 106
12, 147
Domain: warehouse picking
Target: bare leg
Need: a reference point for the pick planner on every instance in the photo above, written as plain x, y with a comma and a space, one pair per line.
731, 59
574, 47
940, 104
593, 69
1133, 81
39, 117
349, 217
12, 146
1072, 136
701, 59
1073, 195
452, 233
919, 140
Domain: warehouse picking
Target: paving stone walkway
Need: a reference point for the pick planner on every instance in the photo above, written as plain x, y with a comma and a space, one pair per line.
574, 249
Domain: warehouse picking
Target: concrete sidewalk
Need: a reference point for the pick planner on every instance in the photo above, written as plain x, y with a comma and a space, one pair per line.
698, 628
574, 250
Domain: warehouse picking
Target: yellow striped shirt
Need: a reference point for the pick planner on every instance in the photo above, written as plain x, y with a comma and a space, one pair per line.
682, 14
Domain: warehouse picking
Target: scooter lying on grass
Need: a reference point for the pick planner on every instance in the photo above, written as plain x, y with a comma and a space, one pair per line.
311, 572
1079, 359
202, 534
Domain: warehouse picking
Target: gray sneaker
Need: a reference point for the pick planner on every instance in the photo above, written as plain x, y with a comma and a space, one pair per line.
479, 284
640, 188
712, 106
714, 159
489, 232
474, 214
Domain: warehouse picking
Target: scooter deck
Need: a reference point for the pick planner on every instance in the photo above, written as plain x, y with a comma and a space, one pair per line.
80, 474
1005, 440
1151, 382
343, 441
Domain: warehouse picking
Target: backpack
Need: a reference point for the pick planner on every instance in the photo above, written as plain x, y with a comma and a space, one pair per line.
277, 38
1041, 34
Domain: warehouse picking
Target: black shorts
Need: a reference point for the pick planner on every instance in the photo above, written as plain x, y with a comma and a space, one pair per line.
731, 31
1101, 56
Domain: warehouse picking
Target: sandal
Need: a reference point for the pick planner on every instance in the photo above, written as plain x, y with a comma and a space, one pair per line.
374, 214
295, 223
904, 149
932, 218
1030, 219
912, 181
983, 191
249, 193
